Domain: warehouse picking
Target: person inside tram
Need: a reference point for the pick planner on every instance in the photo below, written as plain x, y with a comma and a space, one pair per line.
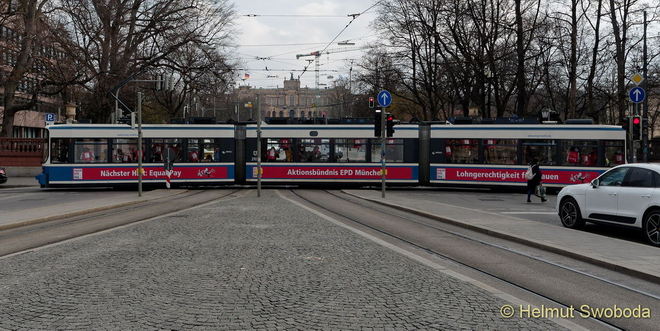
281, 154
157, 155
302, 155
573, 156
271, 155
119, 156
589, 160
316, 154
216, 154
87, 155
193, 156
618, 157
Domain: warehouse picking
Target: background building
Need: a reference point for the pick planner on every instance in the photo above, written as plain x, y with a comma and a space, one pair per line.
292, 101
29, 123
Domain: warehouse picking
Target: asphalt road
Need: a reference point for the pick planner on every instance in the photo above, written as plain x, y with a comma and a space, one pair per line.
514, 204
24, 198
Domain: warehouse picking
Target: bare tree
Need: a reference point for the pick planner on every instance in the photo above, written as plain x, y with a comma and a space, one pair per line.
116, 39
412, 27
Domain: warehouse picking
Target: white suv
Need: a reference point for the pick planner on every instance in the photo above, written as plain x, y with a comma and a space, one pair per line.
625, 195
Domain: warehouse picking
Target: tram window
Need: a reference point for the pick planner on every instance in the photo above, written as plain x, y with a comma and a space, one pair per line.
278, 150
59, 151
159, 145
500, 151
223, 150
462, 151
313, 150
91, 150
350, 150
614, 152
194, 154
543, 151
393, 150
124, 150
583, 153
210, 151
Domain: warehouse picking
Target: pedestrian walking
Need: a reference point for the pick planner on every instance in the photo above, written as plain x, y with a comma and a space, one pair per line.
533, 176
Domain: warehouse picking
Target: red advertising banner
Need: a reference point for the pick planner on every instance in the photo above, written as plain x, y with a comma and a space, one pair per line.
550, 176
333, 172
102, 173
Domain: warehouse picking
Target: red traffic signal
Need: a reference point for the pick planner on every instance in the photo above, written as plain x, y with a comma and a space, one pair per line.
637, 128
390, 125
371, 102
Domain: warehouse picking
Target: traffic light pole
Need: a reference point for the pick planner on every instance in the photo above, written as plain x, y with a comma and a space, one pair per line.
383, 136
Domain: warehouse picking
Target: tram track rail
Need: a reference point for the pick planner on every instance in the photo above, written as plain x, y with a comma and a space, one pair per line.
17, 240
535, 273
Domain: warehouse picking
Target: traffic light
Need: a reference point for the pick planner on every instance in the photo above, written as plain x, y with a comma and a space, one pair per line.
636, 127
371, 102
390, 125
626, 124
377, 122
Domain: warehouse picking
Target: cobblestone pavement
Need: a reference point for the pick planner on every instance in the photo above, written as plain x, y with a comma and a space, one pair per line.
239, 264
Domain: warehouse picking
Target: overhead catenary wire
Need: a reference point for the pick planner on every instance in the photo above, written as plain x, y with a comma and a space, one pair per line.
293, 15
354, 17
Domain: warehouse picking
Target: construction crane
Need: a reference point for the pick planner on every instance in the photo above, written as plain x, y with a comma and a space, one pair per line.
317, 56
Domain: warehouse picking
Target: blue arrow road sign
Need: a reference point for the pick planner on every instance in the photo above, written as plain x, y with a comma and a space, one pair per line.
50, 117
384, 98
637, 94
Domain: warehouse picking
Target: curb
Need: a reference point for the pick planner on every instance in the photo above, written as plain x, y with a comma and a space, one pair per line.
75, 213
528, 242
3, 186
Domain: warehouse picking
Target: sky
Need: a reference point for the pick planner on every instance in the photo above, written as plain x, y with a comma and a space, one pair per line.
261, 40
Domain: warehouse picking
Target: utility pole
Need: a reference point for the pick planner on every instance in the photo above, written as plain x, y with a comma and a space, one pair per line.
645, 105
258, 146
139, 115
383, 137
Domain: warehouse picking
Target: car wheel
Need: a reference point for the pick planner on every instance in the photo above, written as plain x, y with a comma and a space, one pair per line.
569, 213
651, 227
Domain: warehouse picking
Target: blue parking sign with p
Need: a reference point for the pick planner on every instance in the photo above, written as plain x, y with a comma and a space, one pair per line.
50, 117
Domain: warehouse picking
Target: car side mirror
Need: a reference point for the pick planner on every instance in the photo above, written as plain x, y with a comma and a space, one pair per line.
594, 183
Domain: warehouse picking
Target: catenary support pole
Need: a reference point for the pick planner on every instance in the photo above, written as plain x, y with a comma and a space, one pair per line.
139, 156
383, 137
258, 146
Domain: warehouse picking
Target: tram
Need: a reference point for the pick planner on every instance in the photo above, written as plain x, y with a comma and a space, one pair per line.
486, 155
331, 153
107, 155
499, 154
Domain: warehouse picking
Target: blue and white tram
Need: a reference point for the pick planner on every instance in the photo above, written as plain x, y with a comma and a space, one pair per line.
331, 153
487, 155
424, 154
106, 155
